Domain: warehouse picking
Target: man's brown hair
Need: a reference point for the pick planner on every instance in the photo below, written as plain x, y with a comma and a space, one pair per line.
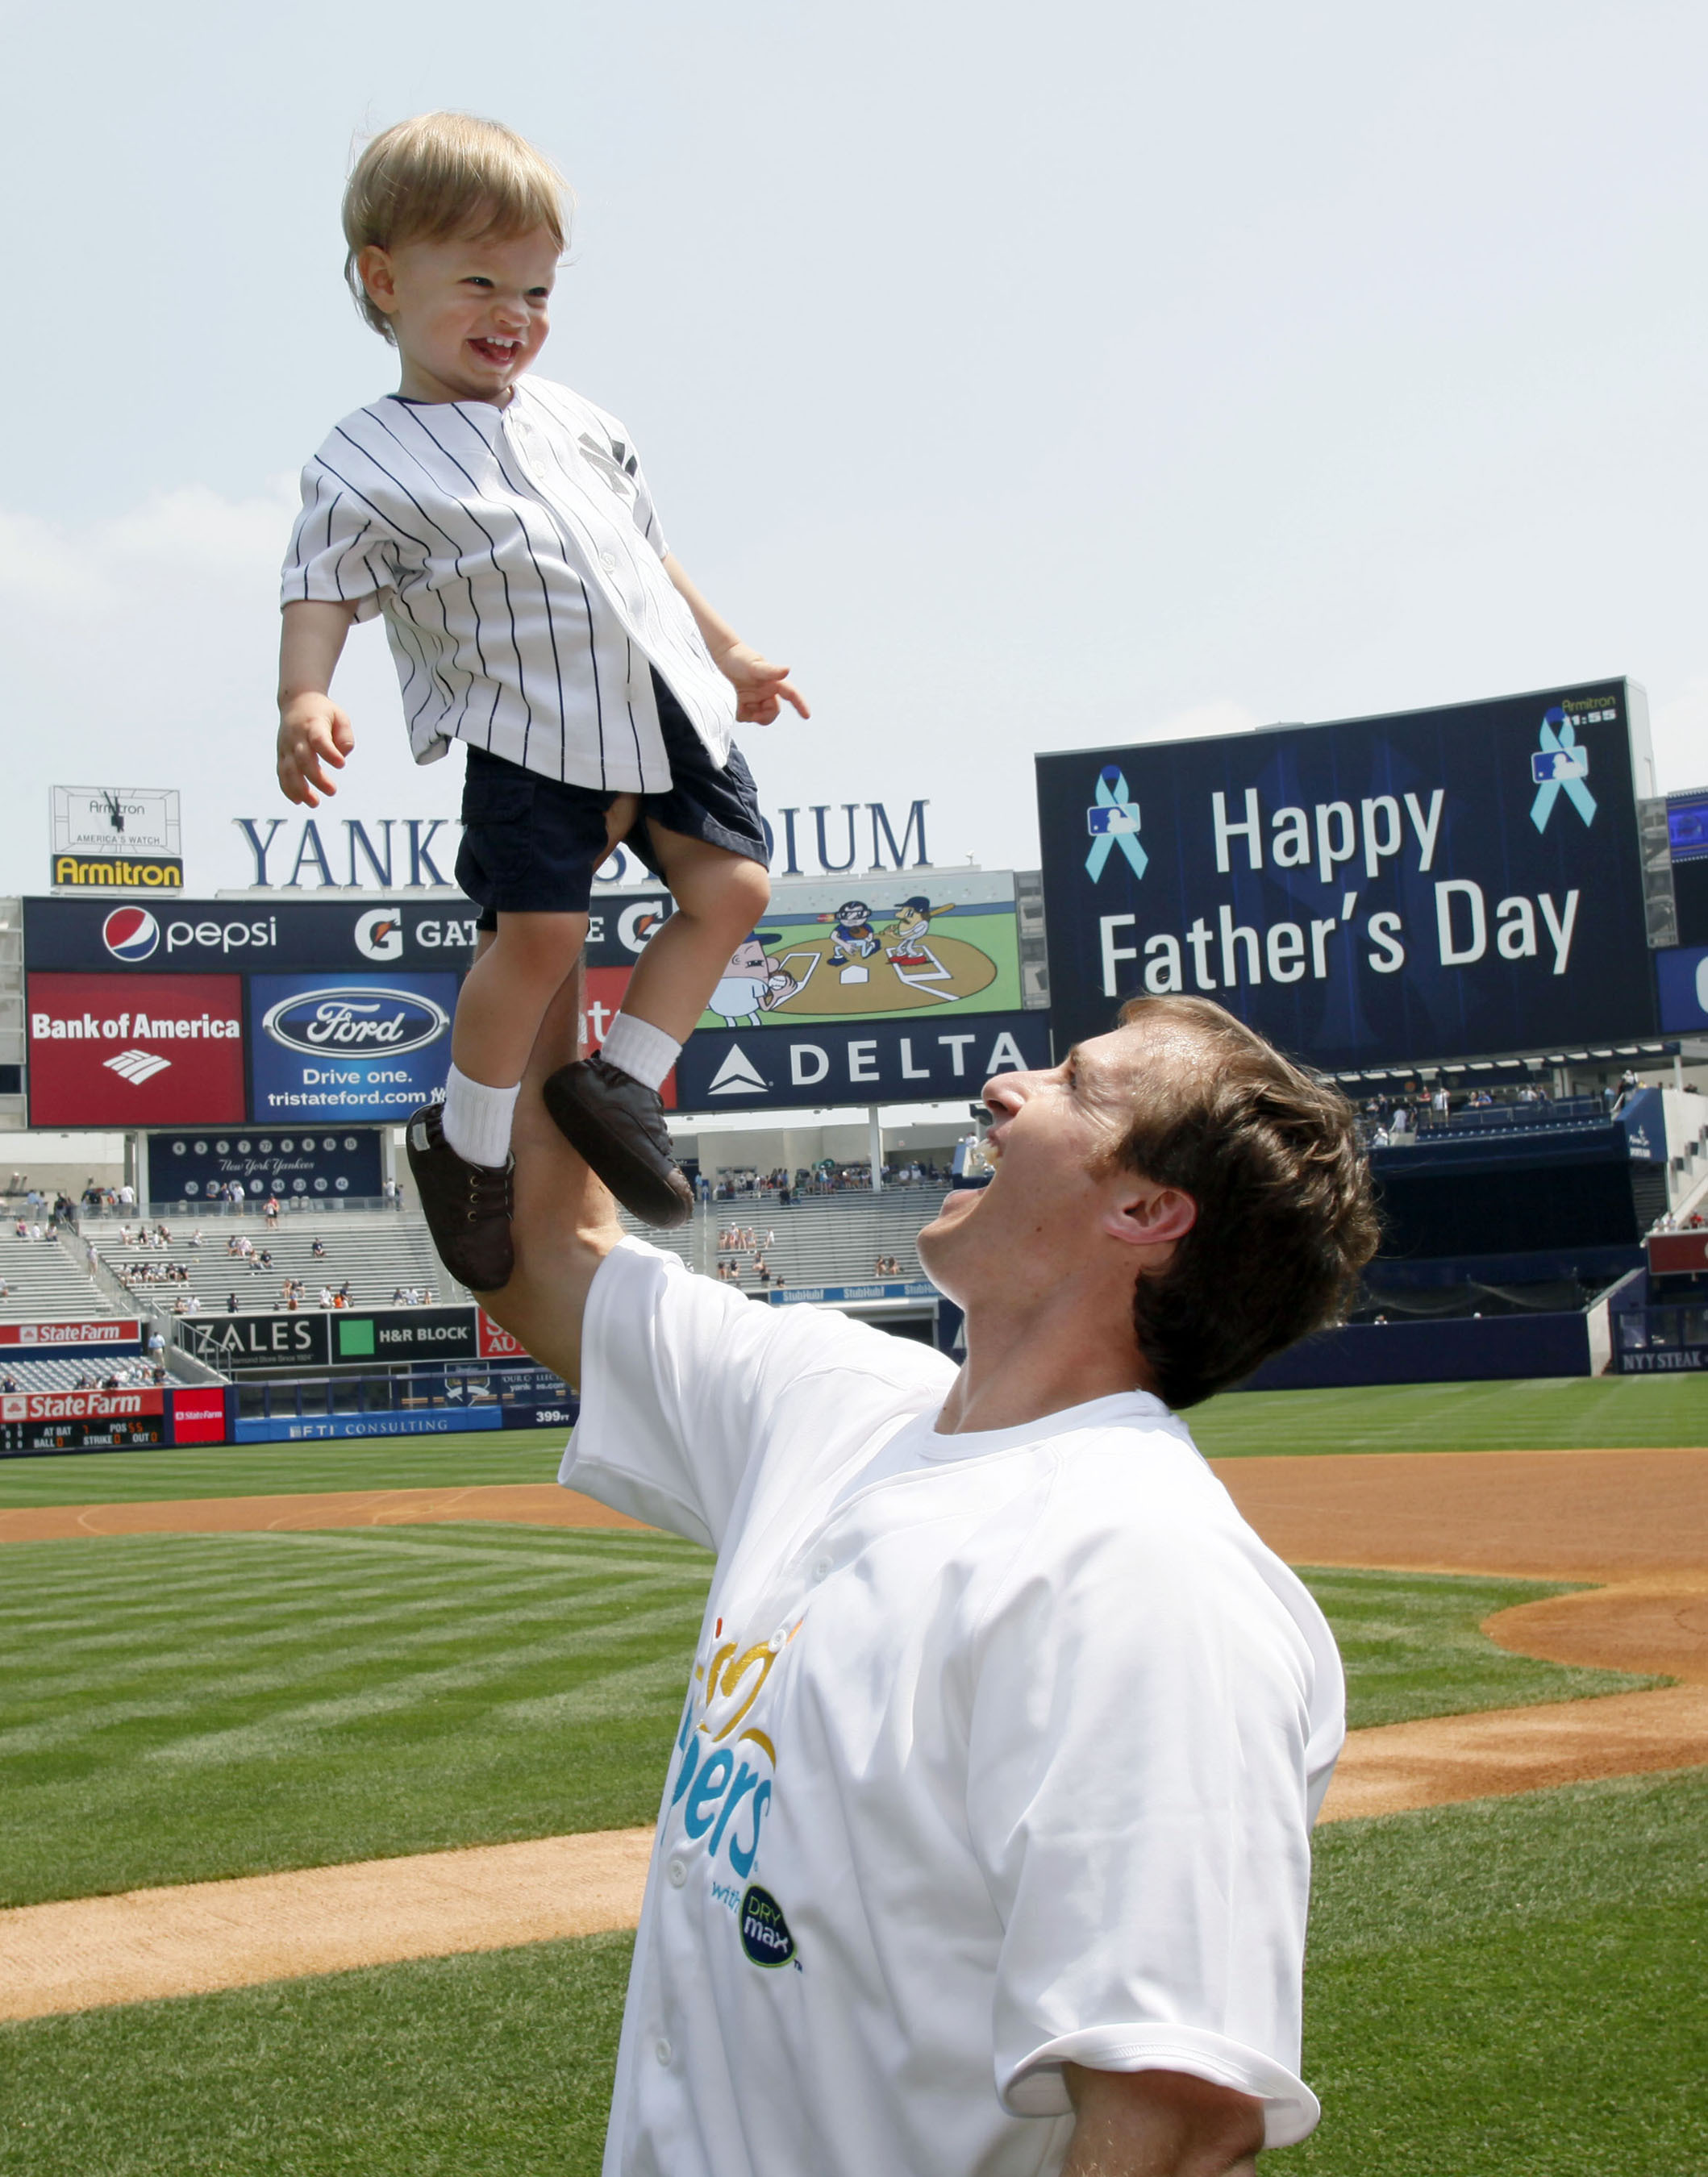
1286, 1221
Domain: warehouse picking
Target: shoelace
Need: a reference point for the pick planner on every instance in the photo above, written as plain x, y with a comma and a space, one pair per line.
488, 1189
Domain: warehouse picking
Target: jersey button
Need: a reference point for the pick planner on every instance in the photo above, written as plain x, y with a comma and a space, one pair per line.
608, 560
663, 2051
677, 1873
823, 1569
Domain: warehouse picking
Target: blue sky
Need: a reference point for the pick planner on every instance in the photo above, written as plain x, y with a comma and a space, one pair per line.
1026, 378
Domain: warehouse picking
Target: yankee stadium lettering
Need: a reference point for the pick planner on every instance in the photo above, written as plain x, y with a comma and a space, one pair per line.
355, 1021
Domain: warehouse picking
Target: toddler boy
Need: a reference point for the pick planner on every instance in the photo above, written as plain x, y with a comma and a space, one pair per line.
503, 527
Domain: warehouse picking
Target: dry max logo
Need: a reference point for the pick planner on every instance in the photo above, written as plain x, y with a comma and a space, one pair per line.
724, 1775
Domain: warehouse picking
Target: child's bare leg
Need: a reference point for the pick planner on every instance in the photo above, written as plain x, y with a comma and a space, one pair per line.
505, 994
719, 898
517, 972
503, 998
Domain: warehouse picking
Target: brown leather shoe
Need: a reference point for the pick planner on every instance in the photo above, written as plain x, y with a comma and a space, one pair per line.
468, 1205
616, 1123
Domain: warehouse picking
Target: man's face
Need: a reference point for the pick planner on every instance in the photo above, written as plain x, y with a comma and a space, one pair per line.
469, 315
1050, 1143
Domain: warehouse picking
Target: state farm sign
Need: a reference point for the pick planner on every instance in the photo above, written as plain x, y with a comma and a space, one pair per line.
78, 1405
104, 1330
131, 1051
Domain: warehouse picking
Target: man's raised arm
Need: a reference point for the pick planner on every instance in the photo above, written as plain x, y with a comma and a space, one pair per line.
565, 1222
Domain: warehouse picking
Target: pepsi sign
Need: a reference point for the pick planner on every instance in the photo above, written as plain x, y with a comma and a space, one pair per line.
130, 933
346, 1048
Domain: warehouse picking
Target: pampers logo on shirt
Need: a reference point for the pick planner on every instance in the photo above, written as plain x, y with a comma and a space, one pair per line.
726, 1768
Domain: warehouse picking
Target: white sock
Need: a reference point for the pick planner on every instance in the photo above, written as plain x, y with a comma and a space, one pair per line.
477, 1119
643, 1051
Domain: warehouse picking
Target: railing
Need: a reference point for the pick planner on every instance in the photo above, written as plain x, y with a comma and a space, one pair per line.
183, 1209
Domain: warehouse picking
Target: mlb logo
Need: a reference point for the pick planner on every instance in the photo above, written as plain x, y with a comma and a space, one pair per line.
1108, 821
1547, 767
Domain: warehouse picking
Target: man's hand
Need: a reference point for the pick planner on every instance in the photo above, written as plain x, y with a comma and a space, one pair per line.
761, 689
1160, 2124
314, 733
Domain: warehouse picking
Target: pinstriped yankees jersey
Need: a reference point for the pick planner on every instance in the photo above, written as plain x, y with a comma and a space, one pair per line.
517, 558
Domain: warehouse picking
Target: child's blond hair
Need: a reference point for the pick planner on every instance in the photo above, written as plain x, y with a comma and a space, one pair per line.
441, 174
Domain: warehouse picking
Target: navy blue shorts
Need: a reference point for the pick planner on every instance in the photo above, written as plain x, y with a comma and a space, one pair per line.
531, 844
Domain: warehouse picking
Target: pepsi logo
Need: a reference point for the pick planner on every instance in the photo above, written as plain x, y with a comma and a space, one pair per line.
130, 933
354, 1021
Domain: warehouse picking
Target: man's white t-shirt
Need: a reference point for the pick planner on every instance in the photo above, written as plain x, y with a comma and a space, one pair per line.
1001, 1751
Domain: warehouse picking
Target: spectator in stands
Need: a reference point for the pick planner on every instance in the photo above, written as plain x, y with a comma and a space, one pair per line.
231, 1303
343, 1295
326, 1295
9, 1383
319, 1249
264, 1259
271, 1211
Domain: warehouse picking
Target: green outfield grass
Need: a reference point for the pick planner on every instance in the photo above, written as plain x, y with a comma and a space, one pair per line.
1511, 1987
1548, 1413
277, 1469
178, 1708
1412, 1647
181, 1707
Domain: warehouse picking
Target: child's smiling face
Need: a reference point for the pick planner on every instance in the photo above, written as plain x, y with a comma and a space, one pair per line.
469, 313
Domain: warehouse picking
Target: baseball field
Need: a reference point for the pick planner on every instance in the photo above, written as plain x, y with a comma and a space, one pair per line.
326, 1774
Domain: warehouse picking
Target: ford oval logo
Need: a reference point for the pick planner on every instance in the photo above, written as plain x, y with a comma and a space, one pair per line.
353, 1023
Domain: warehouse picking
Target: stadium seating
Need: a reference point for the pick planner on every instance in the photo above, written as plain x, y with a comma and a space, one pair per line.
66, 1375
822, 1240
831, 1239
45, 1283
376, 1251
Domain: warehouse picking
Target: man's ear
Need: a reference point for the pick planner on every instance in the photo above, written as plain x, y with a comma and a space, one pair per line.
374, 267
1144, 1214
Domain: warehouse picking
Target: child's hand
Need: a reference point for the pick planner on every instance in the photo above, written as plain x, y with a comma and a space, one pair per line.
313, 732
761, 689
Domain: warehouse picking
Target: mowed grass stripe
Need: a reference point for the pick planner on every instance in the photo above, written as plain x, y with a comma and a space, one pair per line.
274, 1620
414, 1680
470, 1458
510, 1694
1538, 1414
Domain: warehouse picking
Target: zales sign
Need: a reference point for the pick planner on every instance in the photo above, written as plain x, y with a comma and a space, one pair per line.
389, 853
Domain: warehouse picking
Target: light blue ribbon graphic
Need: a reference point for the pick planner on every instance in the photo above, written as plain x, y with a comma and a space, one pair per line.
1116, 828
1564, 742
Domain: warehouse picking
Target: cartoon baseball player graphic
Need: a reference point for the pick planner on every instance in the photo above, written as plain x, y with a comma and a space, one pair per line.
855, 937
904, 939
754, 982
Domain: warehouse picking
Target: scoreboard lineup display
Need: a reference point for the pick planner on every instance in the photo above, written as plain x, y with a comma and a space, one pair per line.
1428, 886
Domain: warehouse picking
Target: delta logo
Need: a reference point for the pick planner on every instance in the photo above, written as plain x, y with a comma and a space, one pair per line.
130, 933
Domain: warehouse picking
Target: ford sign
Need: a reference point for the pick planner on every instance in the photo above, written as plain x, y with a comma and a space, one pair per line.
356, 1023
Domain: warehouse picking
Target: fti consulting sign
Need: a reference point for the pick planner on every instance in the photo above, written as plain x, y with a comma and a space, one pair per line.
1426, 885
347, 1047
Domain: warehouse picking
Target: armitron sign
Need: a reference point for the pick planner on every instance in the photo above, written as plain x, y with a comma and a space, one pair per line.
108, 872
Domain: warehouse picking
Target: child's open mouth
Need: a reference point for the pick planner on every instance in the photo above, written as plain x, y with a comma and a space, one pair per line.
494, 351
